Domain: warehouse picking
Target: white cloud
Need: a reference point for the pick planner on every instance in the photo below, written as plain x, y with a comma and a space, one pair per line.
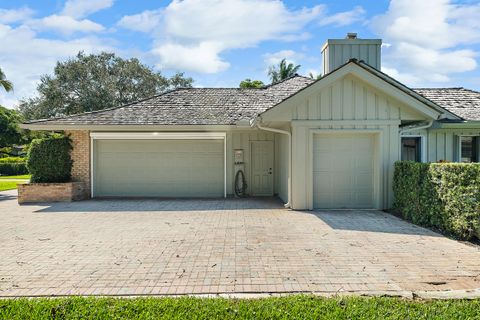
202, 58
198, 31
423, 48
66, 24
15, 15
289, 55
146, 21
83, 8
344, 18
24, 57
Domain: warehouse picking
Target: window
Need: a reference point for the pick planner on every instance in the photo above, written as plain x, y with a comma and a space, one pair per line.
412, 149
469, 149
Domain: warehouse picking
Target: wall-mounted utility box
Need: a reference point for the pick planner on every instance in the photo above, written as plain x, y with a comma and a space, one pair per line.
238, 156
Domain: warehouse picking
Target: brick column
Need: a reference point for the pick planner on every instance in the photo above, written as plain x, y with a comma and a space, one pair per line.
81, 158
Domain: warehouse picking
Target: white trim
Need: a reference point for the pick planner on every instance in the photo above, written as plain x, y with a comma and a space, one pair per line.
378, 188
91, 167
160, 136
423, 145
317, 123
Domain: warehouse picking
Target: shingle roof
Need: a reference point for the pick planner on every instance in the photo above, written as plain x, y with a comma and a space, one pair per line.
191, 106
227, 106
460, 101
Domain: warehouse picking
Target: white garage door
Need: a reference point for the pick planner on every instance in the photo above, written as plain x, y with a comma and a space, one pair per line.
343, 170
158, 168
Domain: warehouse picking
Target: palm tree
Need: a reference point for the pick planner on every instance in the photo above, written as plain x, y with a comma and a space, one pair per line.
282, 71
315, 76
7, 85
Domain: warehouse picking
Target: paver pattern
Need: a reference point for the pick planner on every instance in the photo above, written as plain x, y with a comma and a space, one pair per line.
139, 247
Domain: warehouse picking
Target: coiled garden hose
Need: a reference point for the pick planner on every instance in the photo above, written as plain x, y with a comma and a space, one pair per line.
240, 184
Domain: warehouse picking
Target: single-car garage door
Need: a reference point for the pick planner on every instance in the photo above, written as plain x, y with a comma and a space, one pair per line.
158, 168
343, 170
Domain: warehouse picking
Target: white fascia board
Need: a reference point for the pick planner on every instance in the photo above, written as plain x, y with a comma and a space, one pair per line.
157, 135
64, 127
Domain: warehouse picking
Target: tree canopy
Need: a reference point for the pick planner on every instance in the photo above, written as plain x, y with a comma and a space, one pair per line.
282, 71
10, 133
4, 83
248, 83
95, 82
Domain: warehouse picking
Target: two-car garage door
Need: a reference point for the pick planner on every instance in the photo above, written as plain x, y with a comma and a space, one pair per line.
158, 168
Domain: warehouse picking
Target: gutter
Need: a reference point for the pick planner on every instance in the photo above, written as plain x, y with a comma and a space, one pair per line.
257, 122
413, 128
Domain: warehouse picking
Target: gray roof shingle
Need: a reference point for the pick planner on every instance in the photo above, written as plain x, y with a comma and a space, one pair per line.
227, 106
460, 101
191, 106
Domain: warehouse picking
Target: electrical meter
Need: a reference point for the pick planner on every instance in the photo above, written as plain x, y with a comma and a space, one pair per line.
238, 156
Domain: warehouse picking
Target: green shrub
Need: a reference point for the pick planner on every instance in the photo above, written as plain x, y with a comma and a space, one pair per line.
49, 159
441, 195
10, 166
13, 169
13, 160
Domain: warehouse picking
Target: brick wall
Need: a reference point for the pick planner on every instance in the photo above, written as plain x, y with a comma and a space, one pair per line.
49, 192
81, 158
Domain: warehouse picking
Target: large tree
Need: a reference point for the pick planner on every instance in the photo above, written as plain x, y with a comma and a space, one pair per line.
10, 133
96, 82
282, 71
4, 83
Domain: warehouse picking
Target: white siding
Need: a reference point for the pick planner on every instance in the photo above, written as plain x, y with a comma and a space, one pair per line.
281, 156
442, 144
347, 104
241, 140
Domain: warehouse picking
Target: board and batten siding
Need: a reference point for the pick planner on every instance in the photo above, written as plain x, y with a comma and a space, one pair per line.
347, 105
242, 140
442, 144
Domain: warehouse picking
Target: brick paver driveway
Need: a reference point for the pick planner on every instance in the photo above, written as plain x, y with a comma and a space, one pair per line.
133, 247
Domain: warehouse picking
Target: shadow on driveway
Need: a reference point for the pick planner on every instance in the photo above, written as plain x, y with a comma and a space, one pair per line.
160, 205
370, 221
8, 195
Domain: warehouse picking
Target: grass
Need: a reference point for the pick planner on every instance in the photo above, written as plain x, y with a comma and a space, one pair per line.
290, 307
9, 185
24, 176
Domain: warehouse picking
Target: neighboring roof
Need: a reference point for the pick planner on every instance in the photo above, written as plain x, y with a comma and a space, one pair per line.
463, 102
191, 106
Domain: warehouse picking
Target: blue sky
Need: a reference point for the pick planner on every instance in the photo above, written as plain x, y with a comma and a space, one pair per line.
428, 43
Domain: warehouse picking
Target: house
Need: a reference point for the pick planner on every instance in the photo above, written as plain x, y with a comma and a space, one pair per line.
330, 143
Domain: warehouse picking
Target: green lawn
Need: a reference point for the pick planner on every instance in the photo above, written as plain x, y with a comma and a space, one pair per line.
291, 307
25, 176
9, 185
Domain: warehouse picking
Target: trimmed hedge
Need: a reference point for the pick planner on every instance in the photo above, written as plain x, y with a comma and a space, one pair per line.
13, 160
49, 159
441, 195
11, 166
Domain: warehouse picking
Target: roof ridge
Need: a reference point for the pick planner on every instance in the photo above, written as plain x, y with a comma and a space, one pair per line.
283, 80
440, 88
106, 109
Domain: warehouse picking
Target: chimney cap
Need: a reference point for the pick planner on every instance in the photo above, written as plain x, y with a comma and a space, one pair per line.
351, 35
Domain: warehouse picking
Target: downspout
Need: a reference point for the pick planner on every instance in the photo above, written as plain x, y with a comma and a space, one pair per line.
257, 123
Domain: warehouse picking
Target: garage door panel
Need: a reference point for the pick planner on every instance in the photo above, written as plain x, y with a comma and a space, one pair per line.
343, 170
159, 168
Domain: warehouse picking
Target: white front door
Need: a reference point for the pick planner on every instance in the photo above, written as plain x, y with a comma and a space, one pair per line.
343, 170
262, 168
